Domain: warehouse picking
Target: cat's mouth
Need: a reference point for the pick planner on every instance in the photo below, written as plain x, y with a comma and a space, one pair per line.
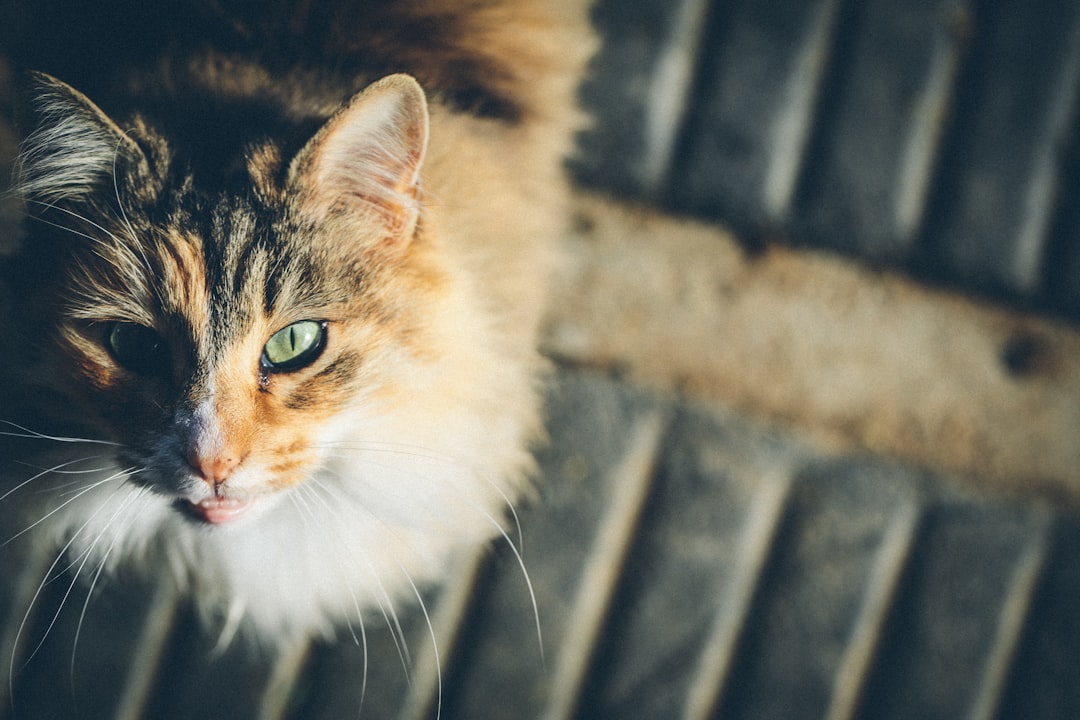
217, 511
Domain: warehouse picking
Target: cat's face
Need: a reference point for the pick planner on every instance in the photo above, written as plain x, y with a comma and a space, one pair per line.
220, 337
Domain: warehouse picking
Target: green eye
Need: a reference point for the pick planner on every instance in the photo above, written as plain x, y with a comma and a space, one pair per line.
295, 346
137, 348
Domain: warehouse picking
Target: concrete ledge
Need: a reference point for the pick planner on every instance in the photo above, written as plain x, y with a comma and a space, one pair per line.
851, 356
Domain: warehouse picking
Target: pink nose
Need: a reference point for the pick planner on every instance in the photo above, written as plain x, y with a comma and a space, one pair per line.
214, 468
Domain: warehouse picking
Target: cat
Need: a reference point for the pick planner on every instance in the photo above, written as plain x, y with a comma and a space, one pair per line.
271, 329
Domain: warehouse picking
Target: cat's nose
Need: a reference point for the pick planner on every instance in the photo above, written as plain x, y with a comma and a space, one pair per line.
214, 468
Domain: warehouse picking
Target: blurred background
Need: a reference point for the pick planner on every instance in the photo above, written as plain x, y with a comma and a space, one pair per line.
938, 137
813, 429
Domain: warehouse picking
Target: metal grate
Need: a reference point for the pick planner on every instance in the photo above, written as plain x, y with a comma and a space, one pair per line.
938, 136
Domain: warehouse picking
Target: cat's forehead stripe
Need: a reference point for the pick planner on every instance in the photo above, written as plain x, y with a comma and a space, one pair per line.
184, 282
238, 266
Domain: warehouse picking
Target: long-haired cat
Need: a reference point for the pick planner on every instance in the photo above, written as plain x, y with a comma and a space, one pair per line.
271, 327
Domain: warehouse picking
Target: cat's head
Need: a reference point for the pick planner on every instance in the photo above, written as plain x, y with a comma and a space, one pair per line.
218, 332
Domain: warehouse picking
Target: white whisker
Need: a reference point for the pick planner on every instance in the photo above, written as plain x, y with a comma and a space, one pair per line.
119, 475
517, 551
79, 217
65, 228
389, 613
383, 600
27, 433
302, 507
529, 587
434, 643
362, 641
41, 586
122, 253
403, 449
123, 213
61, 468
419, 451
68, 488
46, 471
80, 561
312, 488
124, 504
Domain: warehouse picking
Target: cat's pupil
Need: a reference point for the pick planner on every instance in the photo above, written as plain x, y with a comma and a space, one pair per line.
137, 348
294, 346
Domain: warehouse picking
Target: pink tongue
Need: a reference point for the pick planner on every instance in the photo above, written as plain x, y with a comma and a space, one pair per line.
220, 510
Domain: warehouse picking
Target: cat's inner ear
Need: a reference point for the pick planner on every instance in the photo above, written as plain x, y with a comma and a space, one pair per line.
73, 148
365, 161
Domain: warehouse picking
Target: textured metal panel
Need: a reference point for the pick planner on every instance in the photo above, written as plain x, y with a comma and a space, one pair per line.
809, 605
868, 178
684, 568
1047, 663
754, 109
938, 137
615, 152
1001, 185
943, 632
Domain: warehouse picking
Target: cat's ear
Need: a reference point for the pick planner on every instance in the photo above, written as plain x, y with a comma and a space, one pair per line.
72, 148
365, 161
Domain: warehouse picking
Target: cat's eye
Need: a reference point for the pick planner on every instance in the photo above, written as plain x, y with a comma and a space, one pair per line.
137, 348
294, 346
